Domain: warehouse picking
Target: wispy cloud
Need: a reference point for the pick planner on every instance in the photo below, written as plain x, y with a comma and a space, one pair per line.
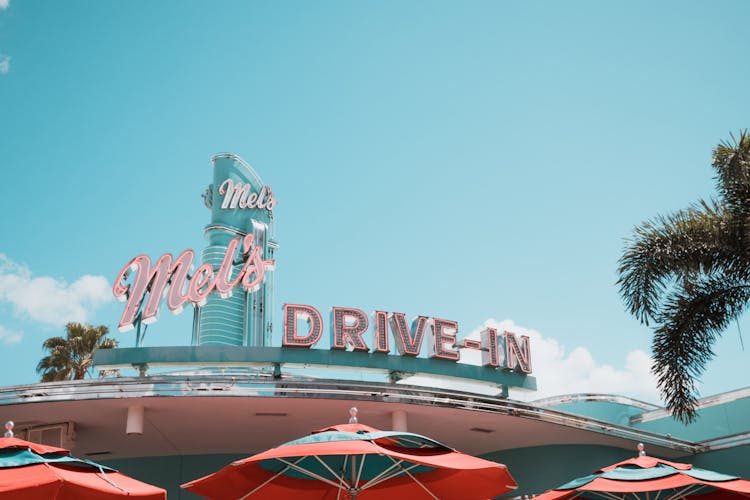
9, 336
49, 300
561, 371
4, 60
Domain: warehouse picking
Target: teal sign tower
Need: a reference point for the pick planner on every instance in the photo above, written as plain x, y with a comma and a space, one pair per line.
240, 205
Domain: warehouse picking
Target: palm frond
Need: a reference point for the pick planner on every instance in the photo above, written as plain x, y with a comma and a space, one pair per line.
680, 246
54, 342
73, 356
691, 322
108, 344
731, 161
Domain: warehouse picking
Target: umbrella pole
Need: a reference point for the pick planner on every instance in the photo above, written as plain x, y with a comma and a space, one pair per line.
353, 467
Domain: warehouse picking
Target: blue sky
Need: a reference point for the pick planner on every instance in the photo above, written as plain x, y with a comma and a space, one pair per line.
465, 160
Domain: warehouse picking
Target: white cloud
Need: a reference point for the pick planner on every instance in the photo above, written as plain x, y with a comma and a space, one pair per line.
4, 62
9, 336
4, 4
48, 300
560, 372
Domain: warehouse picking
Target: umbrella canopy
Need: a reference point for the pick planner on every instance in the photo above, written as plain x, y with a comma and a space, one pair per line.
355, 461
30, 471
647, 478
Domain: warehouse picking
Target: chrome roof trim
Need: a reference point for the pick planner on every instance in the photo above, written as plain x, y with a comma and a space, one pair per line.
707, 402
600, 398
264, 385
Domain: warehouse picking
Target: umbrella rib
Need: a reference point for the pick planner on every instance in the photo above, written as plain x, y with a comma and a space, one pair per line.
607, 495
308, 473
693, 488
396, 474
680, 493
269, 480
383, 476
359, 473
412, 441
341, 479
419, 444
413, 478
104, 476
604, 494
420, 484
342, 482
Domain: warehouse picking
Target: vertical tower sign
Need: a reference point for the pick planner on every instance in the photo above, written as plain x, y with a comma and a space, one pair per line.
240, 205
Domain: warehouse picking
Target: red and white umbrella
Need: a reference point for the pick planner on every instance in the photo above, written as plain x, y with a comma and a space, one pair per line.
354, 461
30, 471
650, 478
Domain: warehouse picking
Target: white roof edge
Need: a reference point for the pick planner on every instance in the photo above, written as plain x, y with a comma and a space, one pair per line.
707, 402
595, 397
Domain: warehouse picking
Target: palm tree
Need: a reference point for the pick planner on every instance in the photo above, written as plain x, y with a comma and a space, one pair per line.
688, 274
72, 357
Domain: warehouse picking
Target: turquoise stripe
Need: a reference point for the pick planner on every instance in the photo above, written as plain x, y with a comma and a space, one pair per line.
630, 473
21, 457
403, 439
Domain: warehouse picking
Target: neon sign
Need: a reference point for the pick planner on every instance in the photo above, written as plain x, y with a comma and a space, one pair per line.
183, 287
238, 194
349, 325
240, 257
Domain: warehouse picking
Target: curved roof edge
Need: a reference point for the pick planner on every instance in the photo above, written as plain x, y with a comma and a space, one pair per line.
265, 386
703, 403
597, 398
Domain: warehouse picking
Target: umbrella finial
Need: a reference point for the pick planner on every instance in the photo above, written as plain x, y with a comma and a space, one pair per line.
9, 428
641, 451
353, 415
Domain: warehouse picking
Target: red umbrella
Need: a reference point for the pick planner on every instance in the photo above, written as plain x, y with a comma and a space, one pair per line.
30, 471
646, 478
355, 461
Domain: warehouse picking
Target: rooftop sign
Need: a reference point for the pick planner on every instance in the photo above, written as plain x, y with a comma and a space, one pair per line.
241, 195
232, 292
349, 326
195, 288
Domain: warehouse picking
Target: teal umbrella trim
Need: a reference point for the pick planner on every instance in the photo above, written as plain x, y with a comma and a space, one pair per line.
21, 457
401, 439
630, 473
709, 475
340, 464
